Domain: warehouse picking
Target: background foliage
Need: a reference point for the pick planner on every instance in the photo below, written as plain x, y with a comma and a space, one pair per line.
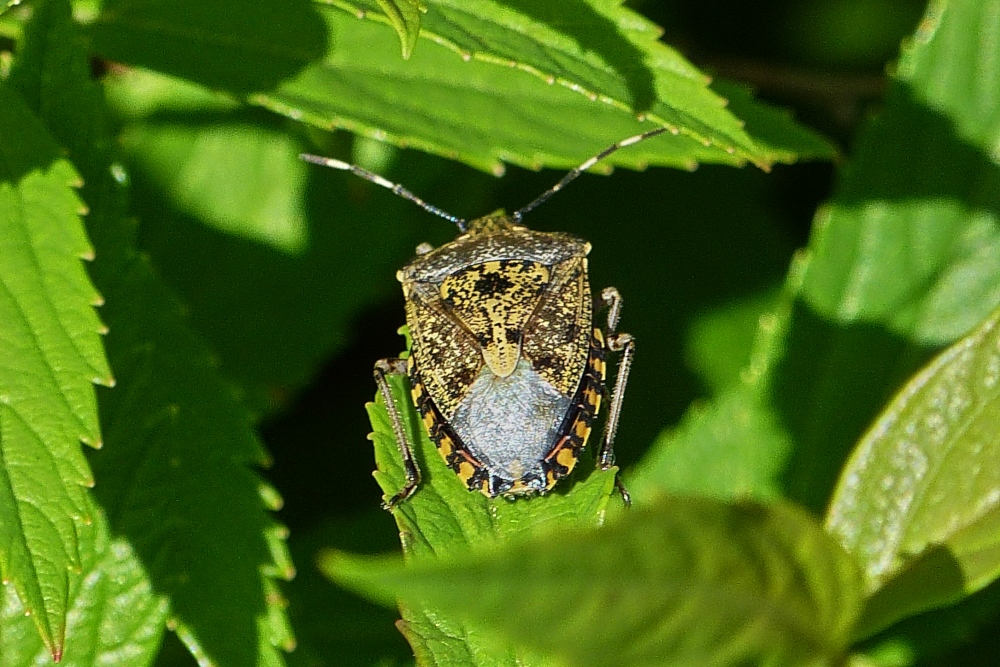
809, 432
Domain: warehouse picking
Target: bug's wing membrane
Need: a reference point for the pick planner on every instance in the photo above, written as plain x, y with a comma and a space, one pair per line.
447, 356
557, 336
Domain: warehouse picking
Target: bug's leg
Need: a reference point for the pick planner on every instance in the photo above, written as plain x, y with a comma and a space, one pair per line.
385, 367
625, 344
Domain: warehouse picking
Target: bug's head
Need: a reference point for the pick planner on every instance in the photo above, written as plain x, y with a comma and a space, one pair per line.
498, 221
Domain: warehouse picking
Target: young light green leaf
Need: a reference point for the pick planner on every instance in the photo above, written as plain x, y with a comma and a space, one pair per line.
115, 616
175, 480
911, 242
953, 74
444, 517
484, 88
682, 582
404, 15
719, 342
730, 447
52, 355
926, 475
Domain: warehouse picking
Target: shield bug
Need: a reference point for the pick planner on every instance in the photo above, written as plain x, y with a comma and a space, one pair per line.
506, 367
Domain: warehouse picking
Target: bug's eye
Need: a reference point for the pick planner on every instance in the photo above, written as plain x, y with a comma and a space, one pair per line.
424, 248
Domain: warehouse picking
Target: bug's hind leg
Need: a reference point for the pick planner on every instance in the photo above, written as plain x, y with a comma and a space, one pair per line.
625, 344
385, 367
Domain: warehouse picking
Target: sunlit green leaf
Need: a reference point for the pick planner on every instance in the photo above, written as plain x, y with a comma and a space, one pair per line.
925, 478
52, 356
115, 616
175, 478
521, 83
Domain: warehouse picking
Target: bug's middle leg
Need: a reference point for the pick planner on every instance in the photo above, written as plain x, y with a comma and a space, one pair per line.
625, 344
385, 367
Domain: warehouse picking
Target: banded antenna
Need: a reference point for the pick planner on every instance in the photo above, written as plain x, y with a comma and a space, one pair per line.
573, 174
462, 223
396, 188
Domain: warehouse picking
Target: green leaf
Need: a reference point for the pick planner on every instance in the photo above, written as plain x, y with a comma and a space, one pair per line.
689, 458
904, 259
907, 257
52, 357
239, 46
912, 241
175, 480
503, 83
925, 476
404, 15
180, 481
953, 75
911, 245
444, 517
115, 617
238, 178
682, 582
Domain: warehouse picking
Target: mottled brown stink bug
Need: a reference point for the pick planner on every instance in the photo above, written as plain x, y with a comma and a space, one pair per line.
506, 366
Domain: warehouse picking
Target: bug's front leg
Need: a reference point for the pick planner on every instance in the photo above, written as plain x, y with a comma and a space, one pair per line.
385, 367
625, 344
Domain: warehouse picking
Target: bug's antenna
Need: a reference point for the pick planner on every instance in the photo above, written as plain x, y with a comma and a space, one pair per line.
396, 188
572, 175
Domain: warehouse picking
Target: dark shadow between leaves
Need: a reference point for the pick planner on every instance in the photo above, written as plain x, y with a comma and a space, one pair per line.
240, 46
599, 34
829, 385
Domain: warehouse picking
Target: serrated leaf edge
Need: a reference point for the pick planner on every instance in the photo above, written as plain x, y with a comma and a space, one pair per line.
740, 155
